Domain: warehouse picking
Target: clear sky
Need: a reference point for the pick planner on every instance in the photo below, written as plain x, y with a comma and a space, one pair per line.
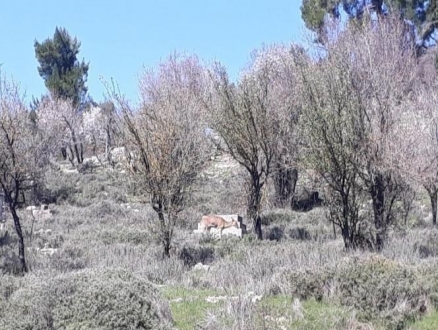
118, 37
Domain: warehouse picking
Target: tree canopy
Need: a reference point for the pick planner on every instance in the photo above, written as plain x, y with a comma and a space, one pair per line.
64, 75
423, 14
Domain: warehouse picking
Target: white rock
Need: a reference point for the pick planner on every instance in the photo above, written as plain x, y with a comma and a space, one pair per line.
49, 251
215, 300
200, 266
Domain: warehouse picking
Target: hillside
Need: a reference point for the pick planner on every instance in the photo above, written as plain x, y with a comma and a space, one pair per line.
299, 277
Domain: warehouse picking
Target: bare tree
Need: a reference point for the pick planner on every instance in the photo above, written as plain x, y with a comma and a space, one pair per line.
252, 117
101, 130
167, 137
64, 118
353, 94
284, 90
24, 152
416, 139
327, 124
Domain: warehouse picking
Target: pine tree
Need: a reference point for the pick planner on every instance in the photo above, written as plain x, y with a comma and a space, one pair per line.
423, 14
63, 74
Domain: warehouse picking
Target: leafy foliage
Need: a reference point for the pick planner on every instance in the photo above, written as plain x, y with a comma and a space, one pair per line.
63, 74
376, 287
422, 13
100, 299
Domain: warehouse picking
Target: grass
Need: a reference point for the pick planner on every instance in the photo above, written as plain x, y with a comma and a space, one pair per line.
189, 306
98, 223
190, 310
429, 322
282, 312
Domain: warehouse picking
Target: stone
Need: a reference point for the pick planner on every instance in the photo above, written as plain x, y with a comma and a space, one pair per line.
48, 251
41, 214
200, 266
215, 300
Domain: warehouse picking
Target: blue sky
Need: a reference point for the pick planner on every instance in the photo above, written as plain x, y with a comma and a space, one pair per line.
119, 38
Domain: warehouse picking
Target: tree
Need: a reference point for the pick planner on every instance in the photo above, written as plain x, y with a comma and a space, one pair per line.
353, 97
24, 152
252, 117
166, 135
63, 118
100, 128
63, 74
283, 90
416, 139
423, 14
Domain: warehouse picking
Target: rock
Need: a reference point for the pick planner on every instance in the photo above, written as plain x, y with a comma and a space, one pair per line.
31, 208
48, 251
215, 300
200, 266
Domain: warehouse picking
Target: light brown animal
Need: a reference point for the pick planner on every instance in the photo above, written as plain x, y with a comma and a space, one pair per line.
220, 223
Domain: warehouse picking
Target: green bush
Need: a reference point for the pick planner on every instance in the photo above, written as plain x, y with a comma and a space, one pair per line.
92, 299
69, 257
428, 246
382, 289
376, 287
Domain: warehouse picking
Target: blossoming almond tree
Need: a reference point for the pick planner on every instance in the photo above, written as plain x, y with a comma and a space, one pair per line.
25, 149
416, 139
61, 116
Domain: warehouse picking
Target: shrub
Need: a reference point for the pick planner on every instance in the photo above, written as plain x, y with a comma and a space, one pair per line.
92, 299
428, 247
299, 233
69, 257
383, 289
192, 255
277, 216
275, 233
376, 287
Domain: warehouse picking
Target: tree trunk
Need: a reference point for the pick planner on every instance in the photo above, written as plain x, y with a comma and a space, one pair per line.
285, 180
79, 152
378, 198
345, 230
21, 255
254, 204
64, 152
71, 156
165, 231
432, 190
